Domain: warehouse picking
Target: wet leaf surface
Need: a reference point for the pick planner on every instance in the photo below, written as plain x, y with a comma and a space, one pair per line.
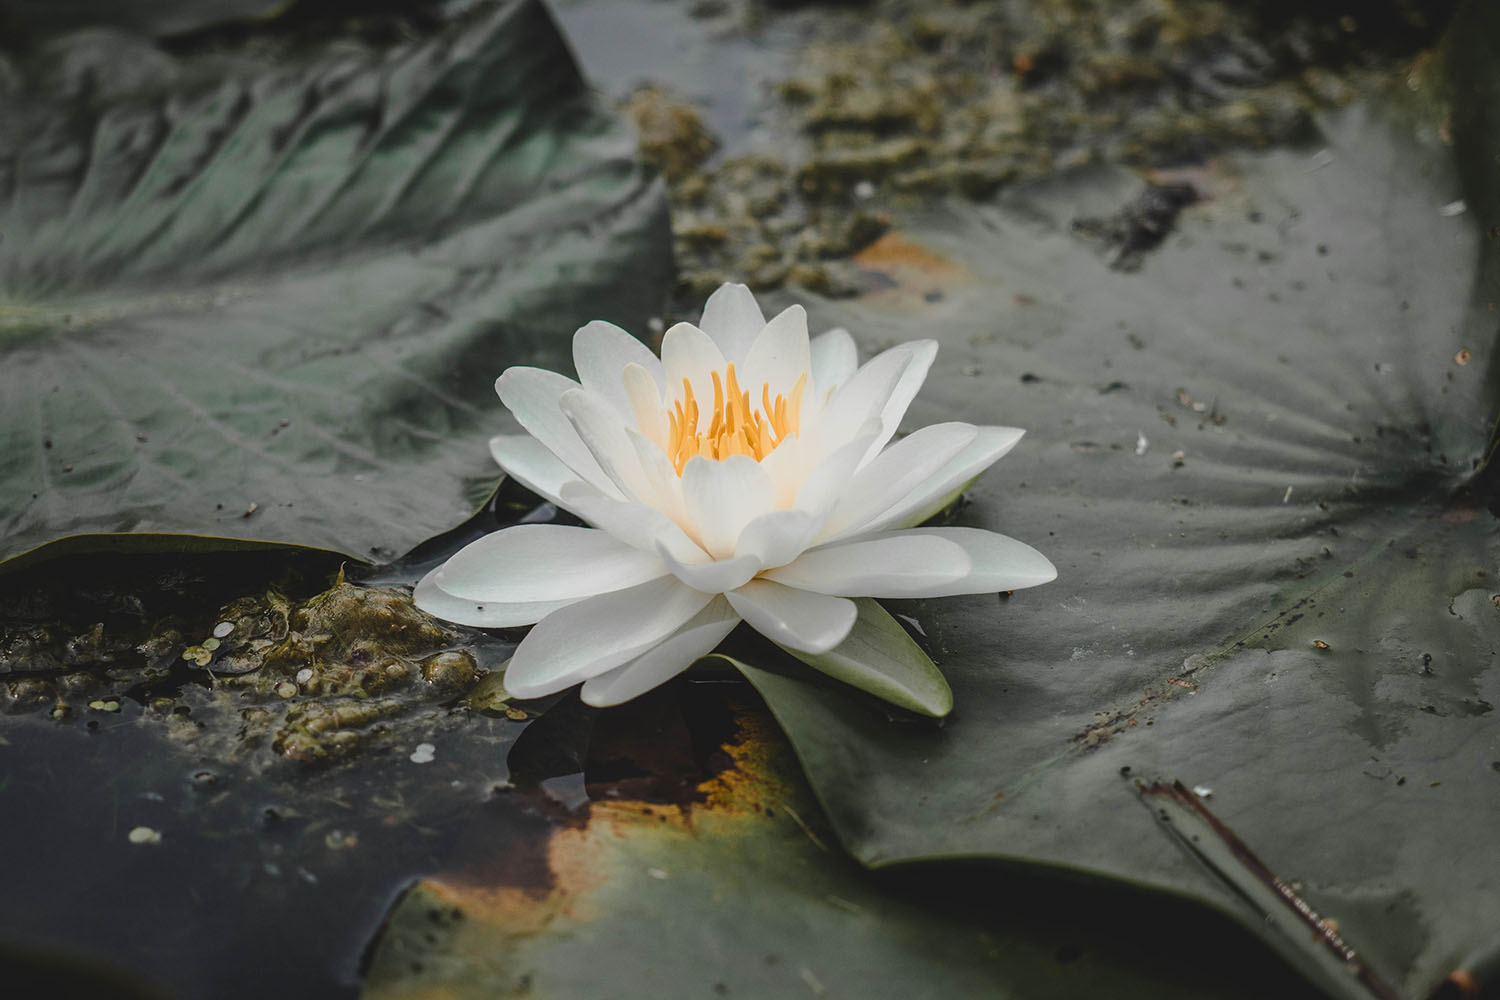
685, 874
1253, 464
268, 300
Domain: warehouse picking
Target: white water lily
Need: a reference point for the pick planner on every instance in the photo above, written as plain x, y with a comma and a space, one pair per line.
743, 476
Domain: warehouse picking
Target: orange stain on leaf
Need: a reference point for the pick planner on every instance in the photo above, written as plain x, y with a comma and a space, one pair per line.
906, 272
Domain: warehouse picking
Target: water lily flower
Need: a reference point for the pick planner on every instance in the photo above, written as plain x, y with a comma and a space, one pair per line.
746, 475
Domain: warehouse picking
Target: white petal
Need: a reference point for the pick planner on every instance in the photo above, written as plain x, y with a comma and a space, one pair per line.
600, 353
789, 465
593, 636
657, 666
431, 598
533, 395
732, 319
864, 396
631, 522
812, 623
924, 501
895, 565
923, 351
545, 562
895, 472
777, 538
688, 353
663, 484
827, 483
722, 497
528, 461
778, 357
999, 562
643, 394
603, 432
712, 577
834, 359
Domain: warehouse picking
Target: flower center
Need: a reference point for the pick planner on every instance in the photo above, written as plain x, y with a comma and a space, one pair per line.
736, 426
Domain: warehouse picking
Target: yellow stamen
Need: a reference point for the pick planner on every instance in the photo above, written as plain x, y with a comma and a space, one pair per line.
736, 427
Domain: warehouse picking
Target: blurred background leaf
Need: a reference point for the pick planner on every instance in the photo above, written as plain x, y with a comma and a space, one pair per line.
269, 300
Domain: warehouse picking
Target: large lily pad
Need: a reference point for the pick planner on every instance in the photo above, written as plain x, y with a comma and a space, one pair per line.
269, 301
669, 884
1252, 463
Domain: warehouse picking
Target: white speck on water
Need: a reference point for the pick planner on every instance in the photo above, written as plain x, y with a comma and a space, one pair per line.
1453, 208
222, 629
425, 753
1322, 158
144, 835
1141, 444
304, 675
1202, 791
864, 190
658, 873
1287, 495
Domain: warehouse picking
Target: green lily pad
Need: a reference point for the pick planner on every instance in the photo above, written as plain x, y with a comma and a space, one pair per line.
269, 300
732, 886
1253, 462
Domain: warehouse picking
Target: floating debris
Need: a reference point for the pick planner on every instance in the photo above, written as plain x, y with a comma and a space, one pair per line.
1141, 225
424, 753
144, 835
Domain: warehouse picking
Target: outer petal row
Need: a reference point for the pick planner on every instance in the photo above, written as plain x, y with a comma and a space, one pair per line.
431, 598
594, 636
657, 666
545, 562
